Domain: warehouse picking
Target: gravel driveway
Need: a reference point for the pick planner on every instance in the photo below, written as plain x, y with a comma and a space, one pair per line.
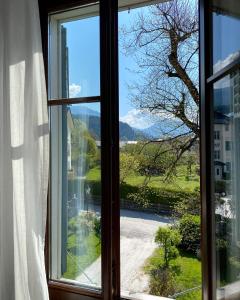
137, 244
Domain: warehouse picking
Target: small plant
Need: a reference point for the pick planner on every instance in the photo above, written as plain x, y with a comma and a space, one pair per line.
168, 239
97, 227
162, 282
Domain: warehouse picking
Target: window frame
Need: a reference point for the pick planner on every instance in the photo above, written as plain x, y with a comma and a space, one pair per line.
110, 139
207, 80
109, 148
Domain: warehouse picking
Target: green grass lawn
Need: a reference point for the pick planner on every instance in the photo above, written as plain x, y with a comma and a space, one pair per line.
178, 183
187, 276
90, 251
94, 174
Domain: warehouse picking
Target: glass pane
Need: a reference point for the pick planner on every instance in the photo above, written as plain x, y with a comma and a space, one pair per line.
226, 183
160, 201
75, 54
226, 35
76, 194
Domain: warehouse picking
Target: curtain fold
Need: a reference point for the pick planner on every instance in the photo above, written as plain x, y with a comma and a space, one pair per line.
24, 153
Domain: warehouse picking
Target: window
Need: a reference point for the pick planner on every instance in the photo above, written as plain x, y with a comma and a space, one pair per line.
220, 192
216, 154
228, 166
216, 135
75, 114
227, 145
85, 204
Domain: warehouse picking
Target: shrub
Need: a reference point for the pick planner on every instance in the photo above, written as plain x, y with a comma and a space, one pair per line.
142, 196
151, 195
168, 239
162, 282
189, 228
189, 205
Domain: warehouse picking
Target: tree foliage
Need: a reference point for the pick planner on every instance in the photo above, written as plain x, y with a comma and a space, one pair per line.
128, 166
153, 159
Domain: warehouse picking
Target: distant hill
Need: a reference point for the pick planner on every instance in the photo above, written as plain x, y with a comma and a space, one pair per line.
83, 111
164, 128
92, 120
127, 133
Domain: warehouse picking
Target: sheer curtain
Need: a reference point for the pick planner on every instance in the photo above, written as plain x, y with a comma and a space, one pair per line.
23, 153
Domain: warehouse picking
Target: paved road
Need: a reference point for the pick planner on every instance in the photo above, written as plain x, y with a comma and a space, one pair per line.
137, 244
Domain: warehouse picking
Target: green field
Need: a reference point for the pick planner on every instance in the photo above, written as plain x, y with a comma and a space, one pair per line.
180, 182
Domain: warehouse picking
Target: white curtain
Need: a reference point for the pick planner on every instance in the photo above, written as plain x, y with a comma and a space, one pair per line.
23, 153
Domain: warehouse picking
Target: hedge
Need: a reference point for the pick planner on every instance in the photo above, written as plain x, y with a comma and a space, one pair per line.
157, 196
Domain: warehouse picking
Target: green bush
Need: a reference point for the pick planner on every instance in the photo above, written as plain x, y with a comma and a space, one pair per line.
168, 238
189, 205
143, 196
189, 228
162, 282
151, 195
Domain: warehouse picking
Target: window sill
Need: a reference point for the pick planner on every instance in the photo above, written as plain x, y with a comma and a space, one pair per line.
230, 291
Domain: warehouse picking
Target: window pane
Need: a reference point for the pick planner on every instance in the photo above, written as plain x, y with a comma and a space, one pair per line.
76, 194
160, 202
227, 191
226, 36
75, 54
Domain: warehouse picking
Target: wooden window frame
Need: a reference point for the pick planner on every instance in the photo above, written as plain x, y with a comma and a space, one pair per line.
207, 80
110, 149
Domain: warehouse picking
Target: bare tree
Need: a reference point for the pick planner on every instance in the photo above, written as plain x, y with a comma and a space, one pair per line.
164, 42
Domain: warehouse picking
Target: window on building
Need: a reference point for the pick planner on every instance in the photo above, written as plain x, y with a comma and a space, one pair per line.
216, 135
216, 154
227, 145
228, 167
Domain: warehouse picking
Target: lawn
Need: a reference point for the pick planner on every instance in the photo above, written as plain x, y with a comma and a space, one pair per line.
90, 251
180, 182
187, 275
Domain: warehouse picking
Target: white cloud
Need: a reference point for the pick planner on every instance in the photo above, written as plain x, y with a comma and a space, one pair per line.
74, 90
223, 63
138, 119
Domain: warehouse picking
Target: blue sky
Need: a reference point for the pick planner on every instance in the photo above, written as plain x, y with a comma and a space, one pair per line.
226, 37
84, 56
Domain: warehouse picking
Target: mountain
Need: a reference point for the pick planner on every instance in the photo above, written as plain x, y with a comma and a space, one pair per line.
164, 128
127, 133
83, 110
92, 120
